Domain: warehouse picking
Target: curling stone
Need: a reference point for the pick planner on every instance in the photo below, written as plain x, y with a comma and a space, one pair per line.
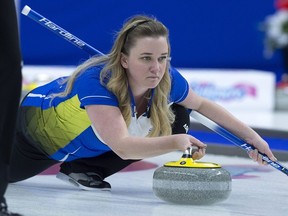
191, 183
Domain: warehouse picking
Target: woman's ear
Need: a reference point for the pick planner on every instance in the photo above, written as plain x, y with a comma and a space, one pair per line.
124, 60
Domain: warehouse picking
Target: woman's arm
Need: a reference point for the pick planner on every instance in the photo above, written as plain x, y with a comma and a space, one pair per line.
222, 117
110, 125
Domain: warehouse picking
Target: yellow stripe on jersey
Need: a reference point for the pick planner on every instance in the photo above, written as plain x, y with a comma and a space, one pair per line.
58, 125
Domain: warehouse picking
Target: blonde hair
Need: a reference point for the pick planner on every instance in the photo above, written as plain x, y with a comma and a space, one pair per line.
136, 27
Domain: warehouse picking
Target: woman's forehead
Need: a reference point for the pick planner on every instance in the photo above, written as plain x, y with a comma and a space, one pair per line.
151, 44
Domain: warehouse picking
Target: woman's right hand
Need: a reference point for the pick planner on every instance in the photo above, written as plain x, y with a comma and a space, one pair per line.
185, 141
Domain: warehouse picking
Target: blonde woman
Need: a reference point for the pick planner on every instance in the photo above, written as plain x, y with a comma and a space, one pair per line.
114, 110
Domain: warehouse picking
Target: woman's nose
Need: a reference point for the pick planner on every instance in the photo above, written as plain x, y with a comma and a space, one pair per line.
155, 67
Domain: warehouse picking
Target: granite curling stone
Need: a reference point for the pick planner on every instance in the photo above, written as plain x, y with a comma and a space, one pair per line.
191, 183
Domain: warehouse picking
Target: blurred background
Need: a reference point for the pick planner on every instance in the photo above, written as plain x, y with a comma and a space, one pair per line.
203, 33
227, 50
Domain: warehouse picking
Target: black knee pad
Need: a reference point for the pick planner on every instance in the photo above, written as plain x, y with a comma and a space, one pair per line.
182, 119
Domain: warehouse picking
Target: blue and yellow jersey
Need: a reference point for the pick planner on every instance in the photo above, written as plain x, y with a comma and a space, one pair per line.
61, 126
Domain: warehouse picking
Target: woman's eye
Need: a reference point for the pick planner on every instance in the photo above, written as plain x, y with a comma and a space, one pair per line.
164, 59
146, 58
161, 59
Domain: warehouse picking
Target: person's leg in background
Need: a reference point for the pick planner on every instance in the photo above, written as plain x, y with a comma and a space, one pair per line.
88, 173
10, 91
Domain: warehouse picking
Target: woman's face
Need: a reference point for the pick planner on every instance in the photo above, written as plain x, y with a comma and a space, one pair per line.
146, 63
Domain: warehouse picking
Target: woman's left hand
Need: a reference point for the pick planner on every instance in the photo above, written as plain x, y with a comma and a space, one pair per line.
263, 147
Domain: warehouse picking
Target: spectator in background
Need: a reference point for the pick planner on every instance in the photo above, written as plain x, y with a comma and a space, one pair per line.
276, 27
283, 6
